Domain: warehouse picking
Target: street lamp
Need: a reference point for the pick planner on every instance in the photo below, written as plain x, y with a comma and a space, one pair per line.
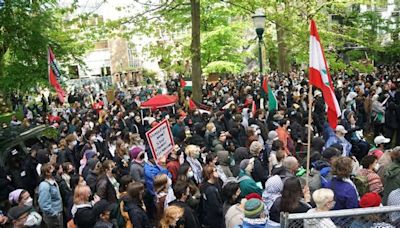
259, 24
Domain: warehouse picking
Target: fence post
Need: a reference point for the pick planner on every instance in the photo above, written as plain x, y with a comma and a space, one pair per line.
284, 219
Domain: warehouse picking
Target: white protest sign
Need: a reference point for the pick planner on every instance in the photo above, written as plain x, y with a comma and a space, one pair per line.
160, 139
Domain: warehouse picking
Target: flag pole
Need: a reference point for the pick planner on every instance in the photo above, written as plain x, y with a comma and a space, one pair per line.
310, 99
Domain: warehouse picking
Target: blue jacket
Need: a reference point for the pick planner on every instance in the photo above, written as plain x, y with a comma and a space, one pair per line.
50, 201
332, 139
346, 195
150, 171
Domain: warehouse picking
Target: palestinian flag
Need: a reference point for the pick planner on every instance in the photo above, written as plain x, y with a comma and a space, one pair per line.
201, 107
185, 85
55, 74
272, 101
320, 76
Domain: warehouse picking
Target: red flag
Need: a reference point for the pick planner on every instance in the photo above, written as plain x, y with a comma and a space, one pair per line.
264, 85
55, 74
253, 108
183, 83
192, 105
320, 76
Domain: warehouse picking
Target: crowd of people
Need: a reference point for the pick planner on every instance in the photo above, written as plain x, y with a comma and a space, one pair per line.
234, 162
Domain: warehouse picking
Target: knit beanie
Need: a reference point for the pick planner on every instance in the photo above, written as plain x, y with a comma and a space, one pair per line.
253, 208
134, 153
370, 199
13, 197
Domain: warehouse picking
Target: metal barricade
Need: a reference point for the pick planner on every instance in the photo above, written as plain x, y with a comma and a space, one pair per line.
387, 216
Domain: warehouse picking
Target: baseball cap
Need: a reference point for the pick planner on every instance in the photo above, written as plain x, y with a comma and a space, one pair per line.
381, 140
16, 212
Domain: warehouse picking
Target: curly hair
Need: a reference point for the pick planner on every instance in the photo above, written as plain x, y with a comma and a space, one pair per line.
342, 167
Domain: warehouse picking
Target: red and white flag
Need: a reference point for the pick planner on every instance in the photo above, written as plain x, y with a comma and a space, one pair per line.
320, 76
55, 75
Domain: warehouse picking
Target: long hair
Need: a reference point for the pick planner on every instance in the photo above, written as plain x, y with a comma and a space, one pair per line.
135, 191
182, 173
81, 194
171, 214
291, 194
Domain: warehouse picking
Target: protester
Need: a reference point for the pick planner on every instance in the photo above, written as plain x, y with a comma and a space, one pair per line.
294, 199
50, 201
233, 148
346, 195
324, 200
370, 167
254, 215
172, 217
211, 193
246, 182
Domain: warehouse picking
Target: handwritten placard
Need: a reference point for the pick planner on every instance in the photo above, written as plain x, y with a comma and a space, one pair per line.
160, 140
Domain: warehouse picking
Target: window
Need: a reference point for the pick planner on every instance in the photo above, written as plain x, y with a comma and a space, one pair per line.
105, 71
73, 72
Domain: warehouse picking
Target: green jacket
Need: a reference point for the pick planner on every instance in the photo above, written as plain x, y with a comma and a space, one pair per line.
392, 180
248, 185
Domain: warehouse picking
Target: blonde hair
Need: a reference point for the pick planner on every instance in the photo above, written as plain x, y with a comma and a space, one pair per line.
190, 149
81, 194
160, 181
322, 196
210, 126
171, 214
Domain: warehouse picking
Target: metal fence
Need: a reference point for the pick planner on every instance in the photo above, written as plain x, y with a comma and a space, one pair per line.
378, 217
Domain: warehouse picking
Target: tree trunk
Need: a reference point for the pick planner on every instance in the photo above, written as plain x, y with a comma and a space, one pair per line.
284, 65
195, 51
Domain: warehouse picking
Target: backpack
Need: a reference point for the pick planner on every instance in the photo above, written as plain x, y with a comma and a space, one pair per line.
121, 215
361, 183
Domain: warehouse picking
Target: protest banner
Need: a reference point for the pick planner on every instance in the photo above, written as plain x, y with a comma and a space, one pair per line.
160, 140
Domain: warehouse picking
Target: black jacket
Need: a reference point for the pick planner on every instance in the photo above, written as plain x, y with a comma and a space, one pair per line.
212, 205
85, 217
137, 215
260, 173
191, 219
105, 190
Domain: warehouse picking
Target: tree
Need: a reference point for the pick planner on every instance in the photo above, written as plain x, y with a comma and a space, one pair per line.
195, 49
27, 28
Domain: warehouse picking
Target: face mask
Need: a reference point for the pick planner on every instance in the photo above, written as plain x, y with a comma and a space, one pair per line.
34, 219
376, 167
126, 157
73, 143
190, 174
114, 170
100, 139
196, 154
55, 151
169, 182
232, 163
29, 202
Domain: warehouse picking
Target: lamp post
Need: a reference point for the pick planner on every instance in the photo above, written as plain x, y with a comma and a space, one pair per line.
259, 24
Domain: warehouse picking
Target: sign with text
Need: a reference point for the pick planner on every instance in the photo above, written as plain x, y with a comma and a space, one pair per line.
160, 140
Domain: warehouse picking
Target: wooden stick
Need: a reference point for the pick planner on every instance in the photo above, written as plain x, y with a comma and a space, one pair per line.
310, 99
